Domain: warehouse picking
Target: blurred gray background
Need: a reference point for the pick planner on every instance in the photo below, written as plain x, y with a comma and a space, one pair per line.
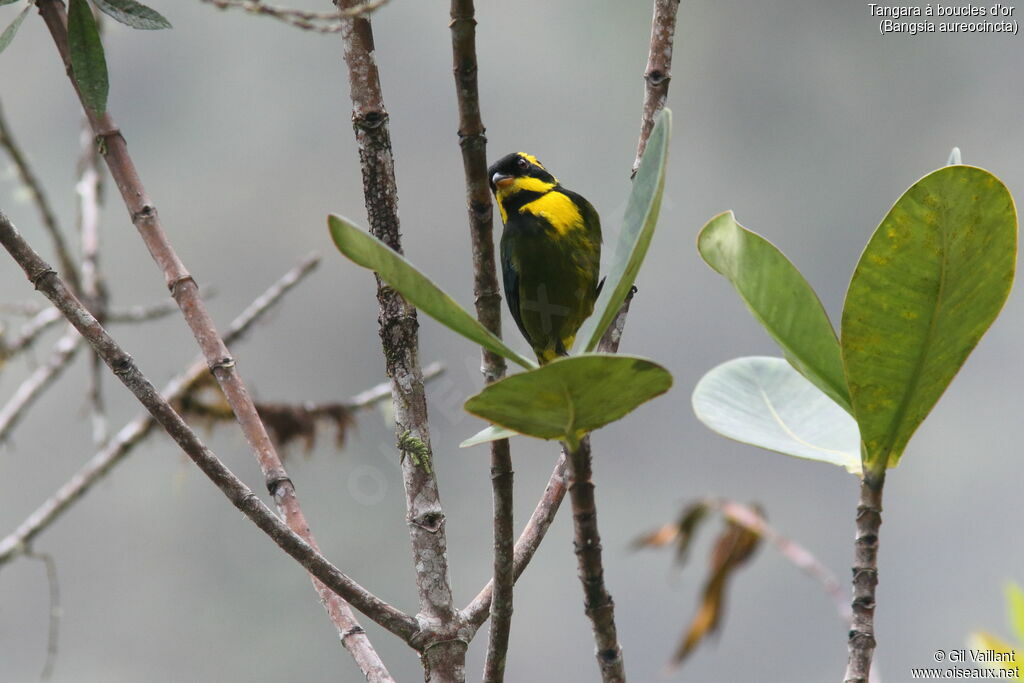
797, 115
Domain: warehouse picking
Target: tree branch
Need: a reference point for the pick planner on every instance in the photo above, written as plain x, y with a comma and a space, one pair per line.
443, 646
865, 577
46, 280
798, 556
36, 383
132, 433
488, 311
186, 293
35, 188
600, 607
659, 69
318, 22
94, 290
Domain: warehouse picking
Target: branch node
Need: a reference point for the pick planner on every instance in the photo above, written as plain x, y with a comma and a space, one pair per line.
354, 631
176, 282
369, 120
657, 77
37, 277
123, 365
274, 485
225, 363
147, 212
432, 521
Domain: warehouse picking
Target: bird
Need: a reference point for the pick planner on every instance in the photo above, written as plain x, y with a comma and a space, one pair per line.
550, 253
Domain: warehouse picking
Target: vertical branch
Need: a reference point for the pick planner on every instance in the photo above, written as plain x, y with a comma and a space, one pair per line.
598, 602
444, 648
488, 311
865, 578
659, 69
94, 291
186, 293
35, 188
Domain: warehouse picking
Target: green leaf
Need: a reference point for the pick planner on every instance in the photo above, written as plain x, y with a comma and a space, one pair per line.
570, 396
781, 300
134, 14
88, 63
491, 433
12, 29
765, 402
1015, 607
369, 252
931, 280
637, 229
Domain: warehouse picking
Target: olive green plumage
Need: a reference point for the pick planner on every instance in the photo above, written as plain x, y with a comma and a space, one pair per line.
550, 253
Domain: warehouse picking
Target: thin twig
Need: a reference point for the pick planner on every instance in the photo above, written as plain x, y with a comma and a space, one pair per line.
186, 293
115, 451
94, 290
318, 22
46, 280
861, 643
35, 189
379, 392
53, 627
443, 647
600, 607
23, 308
145, 312
798, 556
49, 316
488, 311
30, 331
659, 69
132, 433
36, 383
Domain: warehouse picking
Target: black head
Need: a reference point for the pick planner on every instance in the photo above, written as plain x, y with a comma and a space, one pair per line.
505, 172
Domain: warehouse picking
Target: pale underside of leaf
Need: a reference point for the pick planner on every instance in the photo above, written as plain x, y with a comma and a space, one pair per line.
765, 402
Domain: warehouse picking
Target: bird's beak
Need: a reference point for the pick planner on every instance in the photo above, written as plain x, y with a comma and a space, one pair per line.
501, 180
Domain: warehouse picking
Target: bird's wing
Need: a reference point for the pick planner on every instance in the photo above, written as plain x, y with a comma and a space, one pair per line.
511, 280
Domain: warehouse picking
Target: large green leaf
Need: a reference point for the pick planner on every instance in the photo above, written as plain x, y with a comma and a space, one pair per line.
12, 29
88, 63
637, 229
369, 252
134, 14
931, 280
765, 402
781, 300
570, 396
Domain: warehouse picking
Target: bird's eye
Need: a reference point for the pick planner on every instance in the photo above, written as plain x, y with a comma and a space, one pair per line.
522, 163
